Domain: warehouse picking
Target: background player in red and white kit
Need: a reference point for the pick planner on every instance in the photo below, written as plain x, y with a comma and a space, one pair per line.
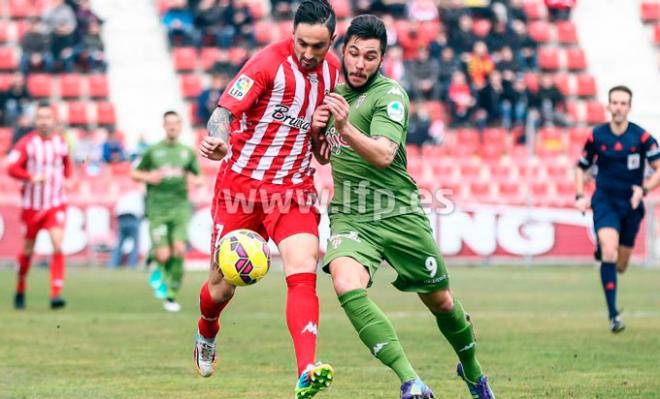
41, 161
268, 109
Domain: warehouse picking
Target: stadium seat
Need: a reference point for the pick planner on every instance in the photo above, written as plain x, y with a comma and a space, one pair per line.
586, 85
573, 112
191, 85
510, 192
264, 33
470, 171
436, 110
8, 59
192, 113
185, 59
556, 171
565, 191
595, 113
548, 59
534, 9
20, 9
237, 55
563, 84
532, 81
650, 11
480, 191
98, 86
566, 33
40, 85
539, 191
539, 31
413, 151
21, 27
499, 172
208, 56
443, 169
578, 135
575, 59
429, 28
434, 152
77, 113
656, 34
342, 8
105, 114
70, 85
4, 31
482, 27
257, 9
5, 80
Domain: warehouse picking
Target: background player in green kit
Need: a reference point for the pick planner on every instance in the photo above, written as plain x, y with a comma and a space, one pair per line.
165, 167
375, 213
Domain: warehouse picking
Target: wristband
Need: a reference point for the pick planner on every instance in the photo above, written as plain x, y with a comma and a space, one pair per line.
645, 191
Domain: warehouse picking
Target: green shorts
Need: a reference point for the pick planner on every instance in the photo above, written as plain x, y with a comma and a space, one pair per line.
167, 228
406, 242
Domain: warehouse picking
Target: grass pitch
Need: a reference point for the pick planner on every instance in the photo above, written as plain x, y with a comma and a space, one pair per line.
542, 333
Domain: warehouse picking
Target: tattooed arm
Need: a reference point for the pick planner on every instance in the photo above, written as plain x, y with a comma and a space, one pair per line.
378, 151
214, 146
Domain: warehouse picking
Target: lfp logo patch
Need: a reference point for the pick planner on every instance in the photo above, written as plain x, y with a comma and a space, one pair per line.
395, 111
241, 87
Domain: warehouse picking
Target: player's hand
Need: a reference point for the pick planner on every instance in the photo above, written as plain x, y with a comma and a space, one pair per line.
320, 120
582, 205
213, 148
154, 178
637, 196
339, 108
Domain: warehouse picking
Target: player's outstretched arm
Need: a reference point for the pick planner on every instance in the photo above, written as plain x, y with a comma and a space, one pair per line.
214, 146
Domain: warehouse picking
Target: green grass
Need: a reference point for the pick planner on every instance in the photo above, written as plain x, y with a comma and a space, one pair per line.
542, 334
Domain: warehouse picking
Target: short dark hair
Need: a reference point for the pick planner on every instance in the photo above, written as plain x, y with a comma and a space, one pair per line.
622, 88
315, 12
44, 104
170, 113
368, 26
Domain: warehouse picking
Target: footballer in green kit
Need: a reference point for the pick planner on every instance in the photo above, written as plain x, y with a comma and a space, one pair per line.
165, 167
375, 213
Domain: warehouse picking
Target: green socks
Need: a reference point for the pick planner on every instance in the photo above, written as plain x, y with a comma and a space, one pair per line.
173, 275
377, 333
458, 331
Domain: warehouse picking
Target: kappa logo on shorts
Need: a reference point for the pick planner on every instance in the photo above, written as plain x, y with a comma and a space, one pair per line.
241, 87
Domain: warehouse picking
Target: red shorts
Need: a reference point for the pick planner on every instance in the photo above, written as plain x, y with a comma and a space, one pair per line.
241, 202
35, 220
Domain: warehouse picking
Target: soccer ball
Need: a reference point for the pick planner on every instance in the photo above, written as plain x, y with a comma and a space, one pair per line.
243, 257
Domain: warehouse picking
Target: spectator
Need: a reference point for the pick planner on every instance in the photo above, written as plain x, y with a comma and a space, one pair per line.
498, 37
16, 99
523, 46
88, 150
90, 52
451, 13
422, 10
438, 44
559, 10
244, 24
423, 74
283, 9
113, 149
397, 8
411, 41
61, 23
516, 11
207, 101
489, 97
419, 126
85, 17
23, 127
507, 64
550, 103
448, 65
178, 21
129, 211
392, 34
460, 98
223, 64
463, 39
35, 46
480, 65
393, 66
514, 103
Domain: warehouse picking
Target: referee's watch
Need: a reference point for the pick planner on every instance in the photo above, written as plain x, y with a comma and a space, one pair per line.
645, 191
579, 196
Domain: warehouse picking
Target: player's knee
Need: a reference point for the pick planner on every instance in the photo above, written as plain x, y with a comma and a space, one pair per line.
162, 255
622, 266
303, 264
609, 253
440, 302
349, 279
220, 290
179, 249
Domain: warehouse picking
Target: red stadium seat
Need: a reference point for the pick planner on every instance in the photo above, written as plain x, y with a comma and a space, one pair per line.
98, 86
578, 135
40, 85
257, 9
185, 59
70, 85
237, 55
21, 27
4, 31
8, 59
164, 5
534, 9
482, 27
586, 85
264, 33
192, 113
509, 192
566, 33
443, 169
77, 113
470, 172
467, 136
342, 8
656, 34
25, 8
5, 81
565, 189
595, 113
650, 11
556, 171
191, 85
561, 80
105, 114
549, 59
532, 81
436, 110
499, 172
576, 61
429, 28
539, 191
573, 112
539, 31
480, 191
208, 57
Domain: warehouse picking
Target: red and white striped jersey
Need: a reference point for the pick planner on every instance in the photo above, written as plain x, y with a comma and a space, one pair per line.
46, 158
272, 99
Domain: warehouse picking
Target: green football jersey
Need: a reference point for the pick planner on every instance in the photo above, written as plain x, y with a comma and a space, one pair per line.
174, 161
361, 189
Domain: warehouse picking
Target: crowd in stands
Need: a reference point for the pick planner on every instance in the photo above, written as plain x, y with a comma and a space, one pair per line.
469, 57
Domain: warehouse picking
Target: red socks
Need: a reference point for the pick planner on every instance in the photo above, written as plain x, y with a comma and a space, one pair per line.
56, 275
302, 316
23, 268
209, 323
